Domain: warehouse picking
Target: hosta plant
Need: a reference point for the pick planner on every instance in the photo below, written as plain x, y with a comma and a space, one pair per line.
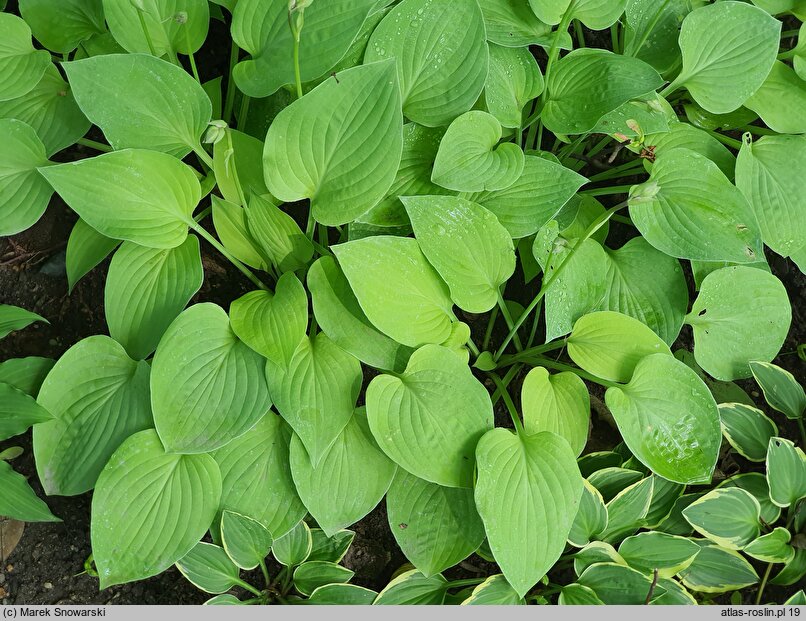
560, 205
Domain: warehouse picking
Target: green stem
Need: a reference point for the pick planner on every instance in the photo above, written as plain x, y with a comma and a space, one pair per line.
559, 366
623, 220
728, 142
203, 156
190, 56
265, 572
488, 333
802, 431
614, 189
92, 144
468, 582
618, 171
146, 33
763, 583
671, 87
295, 33
243, 111
203, 214
579, 33
247, 586
758, 131
597, 148
652, 24
230, 101
533, 331
473, 347
513, 412
614, 38
508, 318
787, 34
532, 351
508, 377
217, 245
788, 54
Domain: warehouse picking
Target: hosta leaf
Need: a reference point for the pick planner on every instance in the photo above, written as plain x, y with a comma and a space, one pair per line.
728, 50
412, 587
684, 136
342, 594
773, 547
793, 571
140, 101
62, 27
514, 79
156, 214
246, 541
15, 318
786, 472
294, 547
669, 554
146, 289
26, 374
208, 568
494, 591
595, 553
724, 392
610, 345
588, 83
231, 225
668, 419
256, 476
557, 403
441, 68
98, 397
652, 29
747, 429
238, 159
578, 595
470, 159
729, 517
634, 118
688, 209
137, 489
780, 100
466, 244
314, 574
512, 23
347, 169
386, 268
350, 479
21, 66
208, 387
18, 411
436, 527
627, 511
781, 390
756, 484
430, 418
591, 518
24, 194
675, 594
331, 549
19, 502
278, 235
741, 314
527, 493
610, 481
86, 248
616, 584
717, 570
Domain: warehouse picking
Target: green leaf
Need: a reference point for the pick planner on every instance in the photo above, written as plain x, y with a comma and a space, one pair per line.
466, 244
441, 69
512, 23
651, 31
594, 461
348, 169
207, 387
412, 587
635, 119
793, 571
591, 518
146, 289
610, 345
26, 374
627, 512
470, 159
675, 595
246, 541
528, 491
588, 83
756, 484
747, 429
261, 28
669, 554
156, 214
313, 574
772, 548
436, 527
62, 27
728, 50
674, 523
24, 195
729, 517
331, 549
514, 79
786, 472
741, 314
231, 225
86, 248
578, 595
18, 412
683, 136
138, 488
21, 66
430, 418
140, 101
780, 100
225, 599
724, 392
14, 318
612, 480
342, 594
688, 209
616, 584
256, 476
717, 570
19, 502
238, 160
209, 568
278, 235
668, 419
384, 268
316, 393
798, 599
781, 390
765, 175
595, 553
494, 591
557, 403
98, 397
350, 479
294, 547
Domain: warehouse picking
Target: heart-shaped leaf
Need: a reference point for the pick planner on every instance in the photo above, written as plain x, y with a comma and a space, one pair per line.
278, 235
21, 66
413, 588
62, 27
747, 429
781, 390
514, 79
512, 23
780, 99
786, 472
314, 574
246, 541
18, 411
86, 248
19, 502
591, 518
729, 517
717, 570
26, 374
494, 591
208, 568
669, 554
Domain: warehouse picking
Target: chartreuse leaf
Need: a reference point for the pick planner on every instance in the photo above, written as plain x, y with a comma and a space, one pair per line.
616, 584
98, 397
780, 100
315, 392
24, 195
238, 159
21, 66
756, 484
588, 83
741, 314
557, 403
786, 472
627, 511
595, 14
634, 118
19, 502
208, 386
514, 79
470, 159
350, 479
156, 214
261, 27
172, 25
430, 418
138, 488
781, 390
724, 392
728, 50
208, 568
256, 476
651, 31
669, 554
441, 69
231, 225
494, 591
278, 235
436, 527
765, 175
466, 244
773, 547
26, 374
272, 324
512, 23
342, 594
668, 419
528, 491
62, 27
294, 547
747, 429
688, 209
717, 570
331, 549
340, 316
15, 318
86, 248
146, 289
610, 345
594, 553
577, 595
140, 101
684, 136
412, 587
384, 268
246, 541
729, 517
314, 574
591, 518
349, 168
